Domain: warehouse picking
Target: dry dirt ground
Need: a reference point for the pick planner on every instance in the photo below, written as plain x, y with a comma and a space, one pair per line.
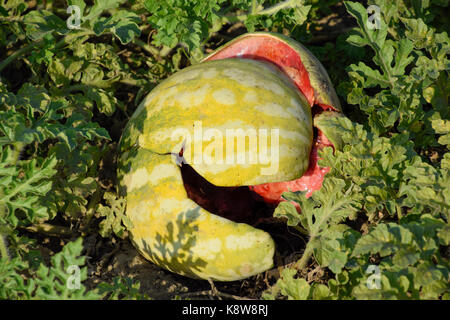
123, 260
108, 258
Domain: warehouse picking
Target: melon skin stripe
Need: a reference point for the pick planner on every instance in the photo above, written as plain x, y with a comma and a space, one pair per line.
174, 232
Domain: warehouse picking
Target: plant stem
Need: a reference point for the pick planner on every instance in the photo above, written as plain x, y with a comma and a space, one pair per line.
18, 146
234, 18
92, 207
32, 45
3, 249
399, 211
377, 49
253, 10
17, 54
11, 19
49, 229
75, 87
301, 230
150, 49
132, 82
301, 264
279, 6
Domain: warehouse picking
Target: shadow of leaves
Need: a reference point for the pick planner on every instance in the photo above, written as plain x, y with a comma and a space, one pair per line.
173, 248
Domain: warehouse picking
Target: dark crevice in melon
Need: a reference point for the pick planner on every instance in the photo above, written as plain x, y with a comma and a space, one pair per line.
238, 204
255, 204
241, 205
316, 110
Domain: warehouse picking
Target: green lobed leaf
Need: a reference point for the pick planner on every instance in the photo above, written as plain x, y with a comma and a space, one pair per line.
287, 210
294, 289
115, 219
23, 187
63, 279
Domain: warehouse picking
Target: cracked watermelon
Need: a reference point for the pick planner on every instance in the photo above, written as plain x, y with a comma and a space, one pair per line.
192, 211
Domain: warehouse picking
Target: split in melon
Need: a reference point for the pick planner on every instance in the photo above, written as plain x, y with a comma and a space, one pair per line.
197, 218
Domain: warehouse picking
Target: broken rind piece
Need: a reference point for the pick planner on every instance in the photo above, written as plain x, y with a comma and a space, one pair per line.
290, 56
174, 232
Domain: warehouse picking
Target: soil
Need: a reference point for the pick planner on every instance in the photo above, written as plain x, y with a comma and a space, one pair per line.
108, 258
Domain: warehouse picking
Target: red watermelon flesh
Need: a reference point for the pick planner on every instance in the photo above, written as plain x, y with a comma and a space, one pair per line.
311, 180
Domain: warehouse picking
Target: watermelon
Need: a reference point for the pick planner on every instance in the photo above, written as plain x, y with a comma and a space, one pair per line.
215, 144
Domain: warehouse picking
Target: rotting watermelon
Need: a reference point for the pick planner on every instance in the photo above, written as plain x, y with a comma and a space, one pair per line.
195, 217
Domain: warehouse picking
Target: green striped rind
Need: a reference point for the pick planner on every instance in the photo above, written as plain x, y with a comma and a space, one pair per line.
220, 96
324, 92
175, 233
